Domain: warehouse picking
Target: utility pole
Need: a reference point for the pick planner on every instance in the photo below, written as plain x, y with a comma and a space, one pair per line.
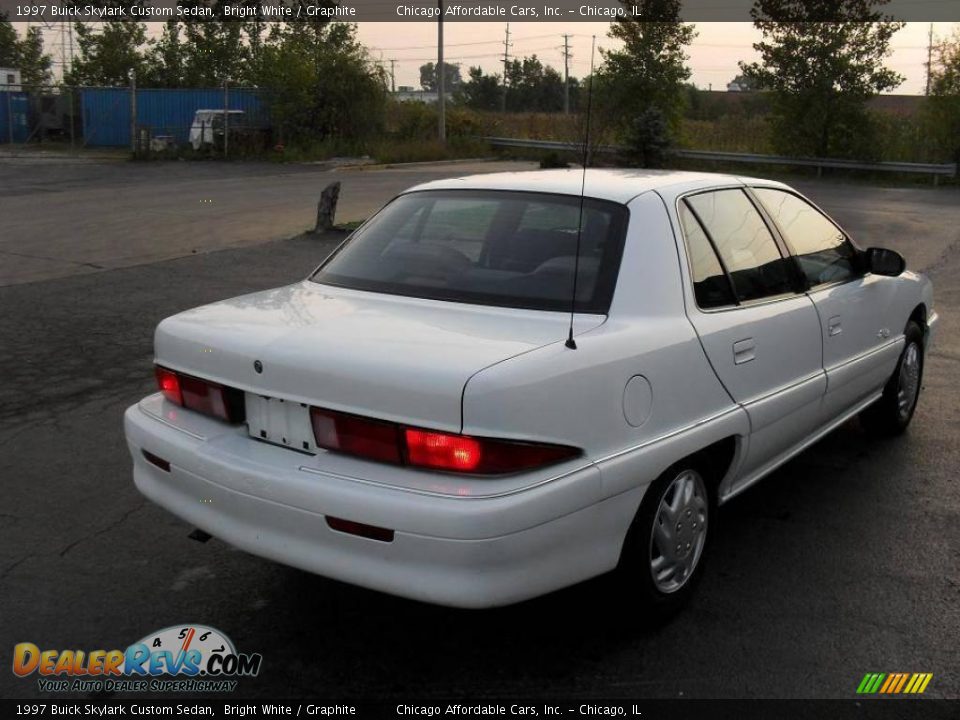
63, 51
506, 59
393, 86
226, 116
72, 99
929, 56
133, 111
441, 76
566, 74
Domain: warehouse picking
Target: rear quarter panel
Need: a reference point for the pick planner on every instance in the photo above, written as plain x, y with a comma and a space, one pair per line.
577, 397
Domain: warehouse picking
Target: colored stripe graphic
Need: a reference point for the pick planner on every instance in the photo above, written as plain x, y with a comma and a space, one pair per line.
903, 681
894, 683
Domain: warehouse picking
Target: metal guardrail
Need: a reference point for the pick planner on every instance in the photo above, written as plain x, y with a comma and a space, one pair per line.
934, 169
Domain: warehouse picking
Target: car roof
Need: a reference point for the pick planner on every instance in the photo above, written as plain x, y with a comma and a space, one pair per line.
620, 185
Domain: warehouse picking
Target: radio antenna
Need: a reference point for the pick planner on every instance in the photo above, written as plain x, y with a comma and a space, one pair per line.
571, 343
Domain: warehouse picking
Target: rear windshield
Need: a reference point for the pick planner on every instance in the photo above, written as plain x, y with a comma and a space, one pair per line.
511, 249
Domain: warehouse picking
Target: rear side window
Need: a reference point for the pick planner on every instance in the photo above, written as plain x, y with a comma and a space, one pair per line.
710, 284
823, 251
487, 247
747, 249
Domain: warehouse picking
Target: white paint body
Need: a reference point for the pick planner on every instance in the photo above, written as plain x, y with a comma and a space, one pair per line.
650, 383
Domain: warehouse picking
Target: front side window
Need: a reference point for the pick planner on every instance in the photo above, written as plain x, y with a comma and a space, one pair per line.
747, 249
510, 249
823, 251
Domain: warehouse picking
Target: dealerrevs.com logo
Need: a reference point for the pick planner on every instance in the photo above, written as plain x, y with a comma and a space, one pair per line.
180, 658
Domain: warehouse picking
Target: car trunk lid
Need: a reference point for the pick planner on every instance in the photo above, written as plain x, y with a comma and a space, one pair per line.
383, 356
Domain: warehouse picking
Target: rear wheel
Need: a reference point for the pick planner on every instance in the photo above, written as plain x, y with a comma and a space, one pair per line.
663, 556
891, 414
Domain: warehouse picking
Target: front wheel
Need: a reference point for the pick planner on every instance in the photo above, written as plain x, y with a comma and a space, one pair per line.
663, 556
891, 414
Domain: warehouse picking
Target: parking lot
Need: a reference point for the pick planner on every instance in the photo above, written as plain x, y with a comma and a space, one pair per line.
845, 561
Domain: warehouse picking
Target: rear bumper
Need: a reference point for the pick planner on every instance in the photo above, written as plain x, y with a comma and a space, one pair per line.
458, 551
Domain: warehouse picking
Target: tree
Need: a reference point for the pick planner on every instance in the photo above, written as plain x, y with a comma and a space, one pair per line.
320, 83
533, 86
429, 79
481, 92
944, 103
647, 139
822, 73
650, 69
208, 52
9, 43
25, 54
107, 57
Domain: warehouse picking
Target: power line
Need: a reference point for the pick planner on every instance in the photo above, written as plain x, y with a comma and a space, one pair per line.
465, 44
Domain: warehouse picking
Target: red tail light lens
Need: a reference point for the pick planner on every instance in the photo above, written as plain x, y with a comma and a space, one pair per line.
169, 385
416, 447
372, 439
203, 396
440, 450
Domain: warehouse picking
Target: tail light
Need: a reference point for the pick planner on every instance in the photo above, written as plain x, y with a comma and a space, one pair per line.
355, 435
393, 443
203, 396
440, 450
169, 384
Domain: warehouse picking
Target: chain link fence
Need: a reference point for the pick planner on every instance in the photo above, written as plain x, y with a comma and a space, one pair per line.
148, 122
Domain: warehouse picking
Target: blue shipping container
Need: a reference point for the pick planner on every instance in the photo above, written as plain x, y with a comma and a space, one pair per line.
106, 111
14, 117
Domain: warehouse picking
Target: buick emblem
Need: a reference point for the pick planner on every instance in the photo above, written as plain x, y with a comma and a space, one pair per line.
258, 366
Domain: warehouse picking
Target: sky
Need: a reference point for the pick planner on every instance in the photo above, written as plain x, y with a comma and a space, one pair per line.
713, 55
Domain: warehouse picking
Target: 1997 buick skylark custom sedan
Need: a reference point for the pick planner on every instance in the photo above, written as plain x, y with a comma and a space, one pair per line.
412, 417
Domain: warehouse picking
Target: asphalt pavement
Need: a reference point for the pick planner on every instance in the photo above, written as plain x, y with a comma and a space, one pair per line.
845, 561
63, 218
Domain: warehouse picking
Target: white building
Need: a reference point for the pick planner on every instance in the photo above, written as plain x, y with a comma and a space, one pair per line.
405, 93
10, 79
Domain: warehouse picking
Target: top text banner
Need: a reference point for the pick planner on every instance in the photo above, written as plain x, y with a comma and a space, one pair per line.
397, 11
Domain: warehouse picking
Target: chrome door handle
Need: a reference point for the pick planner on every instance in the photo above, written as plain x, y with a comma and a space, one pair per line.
833, 326
744, 351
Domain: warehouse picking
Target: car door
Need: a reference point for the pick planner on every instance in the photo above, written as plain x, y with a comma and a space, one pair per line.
759, 330
860, 347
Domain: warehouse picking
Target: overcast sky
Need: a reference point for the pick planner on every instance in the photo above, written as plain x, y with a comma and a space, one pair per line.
713, 55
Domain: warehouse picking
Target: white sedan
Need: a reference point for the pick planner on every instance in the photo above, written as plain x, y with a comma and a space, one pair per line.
435, 412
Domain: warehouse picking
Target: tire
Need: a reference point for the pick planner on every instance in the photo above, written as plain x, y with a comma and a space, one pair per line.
892, 413
658, 571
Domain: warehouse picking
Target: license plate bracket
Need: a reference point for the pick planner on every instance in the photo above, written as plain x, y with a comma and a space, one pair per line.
280, 422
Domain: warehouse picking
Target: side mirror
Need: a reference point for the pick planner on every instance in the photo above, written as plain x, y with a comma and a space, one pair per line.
881, 261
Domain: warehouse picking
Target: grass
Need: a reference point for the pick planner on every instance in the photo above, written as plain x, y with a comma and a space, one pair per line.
384, 150
349, 226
